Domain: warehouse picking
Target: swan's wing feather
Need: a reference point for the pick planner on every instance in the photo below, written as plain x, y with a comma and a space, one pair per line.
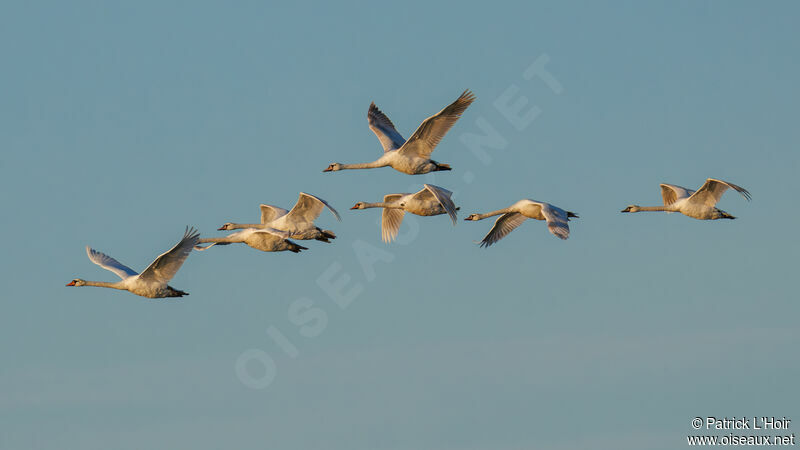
308, 208
109, 263
380, 124
391, 218
167, 264
712, 190
442, 195
502, 226
672, 193
556, 220
391, 198
390, 223
432, 130
270, 213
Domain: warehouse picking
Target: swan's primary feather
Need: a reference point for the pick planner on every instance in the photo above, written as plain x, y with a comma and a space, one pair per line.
502, 226
384, 129
432, 130
391, 218
109, 263
712, 190
168, 263
442, 196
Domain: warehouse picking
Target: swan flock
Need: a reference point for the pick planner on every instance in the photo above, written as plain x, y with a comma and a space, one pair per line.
278, 226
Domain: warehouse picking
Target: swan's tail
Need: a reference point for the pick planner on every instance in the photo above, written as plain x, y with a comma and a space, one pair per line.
326, 234
172, 292
294, 248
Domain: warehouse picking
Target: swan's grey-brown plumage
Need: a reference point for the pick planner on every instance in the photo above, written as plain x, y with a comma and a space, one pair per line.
152, 282
699, 204
513, 216
410, 156
299, 222
430, 201
266, 240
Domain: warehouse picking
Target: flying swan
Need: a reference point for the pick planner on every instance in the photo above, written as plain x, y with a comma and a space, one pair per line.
514, 215
697, 204
152, 282
299, 222
430, 201
410, 156
266, 240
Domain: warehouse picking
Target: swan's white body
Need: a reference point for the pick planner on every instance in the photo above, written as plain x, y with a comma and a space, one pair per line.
266, 240
513, 216
430, 201
298, 223
410, 156
698, 204
152, 282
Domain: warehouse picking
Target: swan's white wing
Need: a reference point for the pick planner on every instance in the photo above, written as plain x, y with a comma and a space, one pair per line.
109, 263
441, 195
308, 208
433, 129
710, 193
672, 193
384, 129
391, 218
270, 213
502, 226
167, 264
556, 220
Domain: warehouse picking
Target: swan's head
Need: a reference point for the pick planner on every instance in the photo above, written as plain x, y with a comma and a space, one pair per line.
225, 226
631, 208
360, 205
472, 217
76, 282
333, 167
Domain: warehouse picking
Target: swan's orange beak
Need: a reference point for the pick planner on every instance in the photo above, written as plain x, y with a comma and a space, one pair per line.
71, 283
327, 169
220, 228
354, 207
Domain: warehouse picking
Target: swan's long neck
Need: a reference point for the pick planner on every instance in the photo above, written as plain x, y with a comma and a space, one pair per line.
657, 208
105, 284
369, 165
382, 205
492, 213
219, 240
239, 226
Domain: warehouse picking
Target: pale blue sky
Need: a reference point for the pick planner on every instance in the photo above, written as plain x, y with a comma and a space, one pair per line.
124, 123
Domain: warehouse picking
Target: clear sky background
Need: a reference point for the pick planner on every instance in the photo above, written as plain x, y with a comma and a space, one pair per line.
121, 124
